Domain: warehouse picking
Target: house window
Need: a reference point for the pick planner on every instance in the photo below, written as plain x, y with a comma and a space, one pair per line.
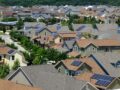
106, 50
29, 32
60, 40
44, 38
0, 57
13, 57
4, 56
45, 33
76, 48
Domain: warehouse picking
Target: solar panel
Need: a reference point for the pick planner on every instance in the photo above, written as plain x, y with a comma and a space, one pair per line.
118, 62
102, 77
76, 63
103, 83
80, 28
10, 51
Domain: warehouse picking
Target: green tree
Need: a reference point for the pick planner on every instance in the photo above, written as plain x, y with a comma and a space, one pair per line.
70, 21
37, 60
1, 40
20, 24
118, 22
4, 29
12, 46
94, 26
86, 35
37, 54
4, 70
16, 65
58, 2
8, 19
29, 19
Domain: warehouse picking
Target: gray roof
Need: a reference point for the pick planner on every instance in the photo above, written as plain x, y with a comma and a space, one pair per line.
46, 16
83, 27
33, 28
70, 43
47, 77
106, 60
64, 29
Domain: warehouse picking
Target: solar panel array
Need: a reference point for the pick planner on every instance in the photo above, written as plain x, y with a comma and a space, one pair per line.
103, 80
10, 51
76, 63
102, 83
80, 28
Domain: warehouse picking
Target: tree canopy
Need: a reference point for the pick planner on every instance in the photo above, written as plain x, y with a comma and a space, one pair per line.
59, 2
37, 54
4, 71
16, 65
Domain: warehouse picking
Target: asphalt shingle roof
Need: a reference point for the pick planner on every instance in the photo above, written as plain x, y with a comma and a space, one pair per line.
106, 60
47, 77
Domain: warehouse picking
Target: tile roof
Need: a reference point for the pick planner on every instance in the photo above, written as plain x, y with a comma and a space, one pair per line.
68, 64
4, 50
52, 28
73, 54
95, 68
69, 34
97, 42
59, 47
8, 85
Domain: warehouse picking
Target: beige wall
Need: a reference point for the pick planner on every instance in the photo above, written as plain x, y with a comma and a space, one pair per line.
17, 56
115, 85
45, 32
57, 40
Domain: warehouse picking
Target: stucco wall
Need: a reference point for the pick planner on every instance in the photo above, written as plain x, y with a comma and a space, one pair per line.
45, 32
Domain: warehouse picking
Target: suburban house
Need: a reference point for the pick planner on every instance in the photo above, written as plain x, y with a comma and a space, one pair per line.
54, 34
109, 62
74, 67
88, 46
101, 81
65, 46
65, 36
47, 78
46, 35
8, 85
25, 12
32, 29
87, 69
9, 56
